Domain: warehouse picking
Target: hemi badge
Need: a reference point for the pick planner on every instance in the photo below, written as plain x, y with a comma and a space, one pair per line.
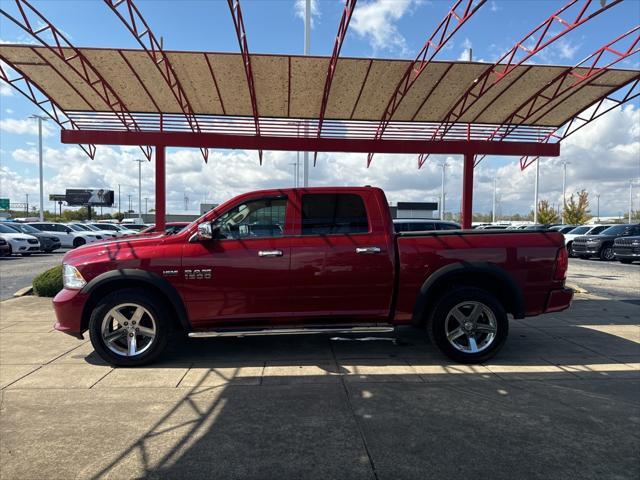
168, 273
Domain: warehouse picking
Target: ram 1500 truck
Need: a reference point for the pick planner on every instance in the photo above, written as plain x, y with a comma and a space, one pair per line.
308, 261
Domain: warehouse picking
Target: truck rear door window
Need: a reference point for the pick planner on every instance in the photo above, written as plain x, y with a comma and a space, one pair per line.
326, 214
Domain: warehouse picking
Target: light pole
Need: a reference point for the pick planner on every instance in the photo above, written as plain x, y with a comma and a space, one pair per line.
146, 206
40, 119
597, 207
140, 189
444, 167
630, 198
26, 208
307, 47
493, 208
535, 199
564, 188
129, 209
119, 204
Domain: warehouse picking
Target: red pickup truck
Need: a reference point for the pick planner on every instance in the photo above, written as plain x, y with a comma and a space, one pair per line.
308, 261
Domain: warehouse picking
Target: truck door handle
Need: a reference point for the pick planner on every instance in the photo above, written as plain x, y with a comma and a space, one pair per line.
366, 250
270, 253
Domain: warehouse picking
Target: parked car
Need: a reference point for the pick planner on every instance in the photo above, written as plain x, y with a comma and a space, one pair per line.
136, 227
69, 237
493, 227
601, 245
118, 230
5, 249
562, 228
579, 231
627, 249
170, 228
536, 226
105, 234
48, 243
21, 243
423, 225
308, 261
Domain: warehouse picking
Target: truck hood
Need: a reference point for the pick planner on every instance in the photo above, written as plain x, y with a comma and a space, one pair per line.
118, 248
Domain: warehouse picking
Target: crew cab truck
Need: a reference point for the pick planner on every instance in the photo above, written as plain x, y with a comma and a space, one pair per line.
308, 261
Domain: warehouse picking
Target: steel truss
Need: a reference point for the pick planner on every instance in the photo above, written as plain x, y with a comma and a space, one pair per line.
595, 111
331, 70
451, 23
133, 20
238, 23
578, 12
569, 82
34, 93
37, 26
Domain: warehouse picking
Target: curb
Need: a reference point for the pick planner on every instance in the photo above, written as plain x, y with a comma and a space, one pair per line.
24, 291
576, 288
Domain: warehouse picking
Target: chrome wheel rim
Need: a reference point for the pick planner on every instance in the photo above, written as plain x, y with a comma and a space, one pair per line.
471, 327
608, 253
128, 329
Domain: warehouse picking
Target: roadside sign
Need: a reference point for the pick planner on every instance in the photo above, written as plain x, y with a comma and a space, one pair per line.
4, 203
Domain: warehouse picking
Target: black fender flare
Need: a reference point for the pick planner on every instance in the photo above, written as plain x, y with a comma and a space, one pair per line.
142, 276
455, 271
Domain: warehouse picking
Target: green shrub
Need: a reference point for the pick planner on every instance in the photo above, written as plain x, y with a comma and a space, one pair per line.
48, 283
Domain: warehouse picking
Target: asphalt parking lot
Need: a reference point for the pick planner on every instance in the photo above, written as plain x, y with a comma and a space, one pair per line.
562, 400
17, 272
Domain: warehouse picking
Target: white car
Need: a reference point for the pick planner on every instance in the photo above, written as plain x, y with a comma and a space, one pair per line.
69, 237
19, 242
579, 231
106, 234
119, 230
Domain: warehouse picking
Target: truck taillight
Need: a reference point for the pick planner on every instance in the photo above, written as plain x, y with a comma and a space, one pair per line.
562, 263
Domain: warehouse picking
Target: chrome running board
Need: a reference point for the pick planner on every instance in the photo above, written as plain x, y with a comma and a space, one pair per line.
287, 331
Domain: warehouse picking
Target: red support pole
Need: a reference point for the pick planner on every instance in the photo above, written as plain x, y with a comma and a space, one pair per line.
467, 190
161, 203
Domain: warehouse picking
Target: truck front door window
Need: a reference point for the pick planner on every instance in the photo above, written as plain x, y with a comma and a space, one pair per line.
258, 218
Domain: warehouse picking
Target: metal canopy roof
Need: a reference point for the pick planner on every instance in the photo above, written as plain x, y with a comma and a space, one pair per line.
291, 87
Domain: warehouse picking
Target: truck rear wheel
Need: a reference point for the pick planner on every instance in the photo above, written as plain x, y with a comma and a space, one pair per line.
129, 328
469, 325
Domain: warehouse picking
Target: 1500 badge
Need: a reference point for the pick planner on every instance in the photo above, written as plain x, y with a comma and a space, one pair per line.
203, 274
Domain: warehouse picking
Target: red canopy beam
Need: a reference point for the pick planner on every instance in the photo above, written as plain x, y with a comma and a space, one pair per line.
35, 24
438, 39
568, 83
580, 120
133, 20
536, 40
331, 70
238, 22
35, 94
263, 142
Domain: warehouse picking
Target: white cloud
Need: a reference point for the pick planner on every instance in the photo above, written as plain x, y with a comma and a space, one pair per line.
466, 46
300, 7
8, 110
23, 126
495, 7
376, 21
5, 90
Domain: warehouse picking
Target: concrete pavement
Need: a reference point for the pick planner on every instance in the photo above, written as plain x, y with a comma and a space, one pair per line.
562, 400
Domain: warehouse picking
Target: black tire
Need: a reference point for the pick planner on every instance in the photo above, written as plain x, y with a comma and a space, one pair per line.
47, 251
570, 250
78, 242
25, 254
437, 323
155, 309
606, 253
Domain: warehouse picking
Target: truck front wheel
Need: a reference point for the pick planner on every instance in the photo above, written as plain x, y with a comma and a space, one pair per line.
469, 325
129, 328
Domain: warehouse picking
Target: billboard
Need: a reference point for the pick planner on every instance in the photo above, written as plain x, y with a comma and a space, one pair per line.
98, 197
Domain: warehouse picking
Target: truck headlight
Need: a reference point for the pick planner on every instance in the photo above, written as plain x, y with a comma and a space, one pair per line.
72, 278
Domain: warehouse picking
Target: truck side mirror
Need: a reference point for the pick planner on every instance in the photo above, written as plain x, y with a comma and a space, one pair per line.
208, 232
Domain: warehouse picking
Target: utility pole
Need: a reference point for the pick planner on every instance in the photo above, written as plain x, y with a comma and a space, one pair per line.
630, 199
40, 119
597, 206
26, 208
307, 47
146, 206
140, 189
444, 166
564, 188
186, 202
493, 208
535, 199
129, 209
119, 204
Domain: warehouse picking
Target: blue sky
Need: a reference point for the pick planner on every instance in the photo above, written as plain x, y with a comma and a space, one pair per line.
379, 28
